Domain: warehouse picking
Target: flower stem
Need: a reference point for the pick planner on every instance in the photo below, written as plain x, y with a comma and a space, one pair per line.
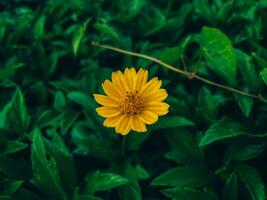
190, 75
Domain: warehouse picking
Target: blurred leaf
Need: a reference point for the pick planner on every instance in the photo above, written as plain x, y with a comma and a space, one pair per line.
230, 189
82, 99
173, 54
184, 176
4, 115
253, 181
14, 146
188, 194
142, 173
60, 100
263, 74
18, 115
39, 27
13, 187
10, 67
77, 38
220, 130
218, 51
49, 118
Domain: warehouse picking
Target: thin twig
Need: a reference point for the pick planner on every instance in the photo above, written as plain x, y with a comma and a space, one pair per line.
185, 73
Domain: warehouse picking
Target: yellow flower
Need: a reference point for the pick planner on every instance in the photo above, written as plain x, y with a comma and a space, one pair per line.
131, 101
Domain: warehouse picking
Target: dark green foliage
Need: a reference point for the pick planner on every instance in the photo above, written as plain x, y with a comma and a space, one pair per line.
212, 144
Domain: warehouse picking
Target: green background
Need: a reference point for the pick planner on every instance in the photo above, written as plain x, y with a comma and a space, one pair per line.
211, 145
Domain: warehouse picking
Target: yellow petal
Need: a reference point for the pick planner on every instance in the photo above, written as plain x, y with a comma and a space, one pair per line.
130, 75
111, 122
141, 79
123, 126
148, 117
108, 112
160, 108
138, 125
158, 95
117, 81
153, 84
123, 81
105, 101
111, 90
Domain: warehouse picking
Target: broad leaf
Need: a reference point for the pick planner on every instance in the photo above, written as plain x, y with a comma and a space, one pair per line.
253, 181
100, 181
188, 194
184, 176
220, 130
218, 51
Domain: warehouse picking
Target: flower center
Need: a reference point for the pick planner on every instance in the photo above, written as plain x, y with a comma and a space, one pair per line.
132, 104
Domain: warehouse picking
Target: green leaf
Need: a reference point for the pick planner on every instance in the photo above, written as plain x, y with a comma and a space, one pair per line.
14, 146
60, 100
253, 181
142, 173
230, 189
18, 116
184, 176
218, 51
46, 174
188, 194
171, 122
77, 38
220, 130
39, 27
248, 71
49, 118
245, 103
4, 115
57, 149
13, 187
132, 190
208, 104
245, 151
263, 74
173, 54
11, 66
100, 181
184, 148
82, 99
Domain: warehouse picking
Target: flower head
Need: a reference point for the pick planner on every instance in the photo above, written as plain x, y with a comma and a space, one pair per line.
131, 101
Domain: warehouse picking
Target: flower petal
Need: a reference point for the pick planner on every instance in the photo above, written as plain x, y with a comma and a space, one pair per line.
118, 82
111, 90
148, 117
108, 112
105, 101
138, 125
123, 81
112, 122
141, 79
160, 108
152, 85
158, 95
123, 126
130, 75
